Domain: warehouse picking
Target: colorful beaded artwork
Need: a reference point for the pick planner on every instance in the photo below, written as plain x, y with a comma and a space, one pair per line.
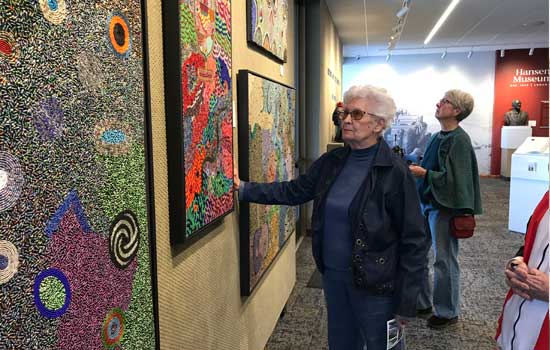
75, 263
269, 157
204, 146
268, 26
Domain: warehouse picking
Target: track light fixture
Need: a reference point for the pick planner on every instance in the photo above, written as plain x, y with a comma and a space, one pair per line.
470, 53
531, 51
501, 52
444, 54
402, 11
388, 56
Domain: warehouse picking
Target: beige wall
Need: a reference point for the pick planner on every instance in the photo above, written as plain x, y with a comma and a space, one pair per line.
331, 91
324, 51
200, 306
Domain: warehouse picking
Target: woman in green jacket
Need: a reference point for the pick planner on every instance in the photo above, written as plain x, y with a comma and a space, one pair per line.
448, 184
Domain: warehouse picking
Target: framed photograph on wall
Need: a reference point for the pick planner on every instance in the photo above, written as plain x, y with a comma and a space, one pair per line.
77, 266
267, 26
267, 113
199, 115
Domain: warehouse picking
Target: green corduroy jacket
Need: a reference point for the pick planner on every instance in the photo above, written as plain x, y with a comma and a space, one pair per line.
456, 184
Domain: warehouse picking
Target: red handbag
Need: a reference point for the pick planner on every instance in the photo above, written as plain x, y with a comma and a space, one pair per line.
463, 226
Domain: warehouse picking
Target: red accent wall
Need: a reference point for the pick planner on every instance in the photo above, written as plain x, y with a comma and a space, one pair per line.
530, 93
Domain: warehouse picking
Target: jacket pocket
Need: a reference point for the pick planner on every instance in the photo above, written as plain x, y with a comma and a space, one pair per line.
380, 267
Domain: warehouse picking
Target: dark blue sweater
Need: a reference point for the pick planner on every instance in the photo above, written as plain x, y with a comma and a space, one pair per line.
337, 236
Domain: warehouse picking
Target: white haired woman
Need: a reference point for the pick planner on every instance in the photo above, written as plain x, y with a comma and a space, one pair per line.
368, 237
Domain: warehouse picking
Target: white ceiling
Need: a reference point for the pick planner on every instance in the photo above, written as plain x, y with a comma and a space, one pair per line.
478, 25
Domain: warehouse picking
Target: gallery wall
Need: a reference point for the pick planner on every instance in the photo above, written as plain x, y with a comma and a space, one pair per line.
418, 82
200, 304
525, 77
323, 78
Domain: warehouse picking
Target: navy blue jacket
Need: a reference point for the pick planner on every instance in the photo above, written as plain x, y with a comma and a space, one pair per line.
390, 244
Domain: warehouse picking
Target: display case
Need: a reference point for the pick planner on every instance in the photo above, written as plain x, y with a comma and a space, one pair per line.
529, 180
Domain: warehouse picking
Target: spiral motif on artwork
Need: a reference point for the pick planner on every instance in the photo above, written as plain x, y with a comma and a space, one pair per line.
55, 11
11, 180
9, 261
124, 239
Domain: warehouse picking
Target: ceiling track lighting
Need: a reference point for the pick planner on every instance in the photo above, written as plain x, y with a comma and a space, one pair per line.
470, 53
388, 56
444, 54
501, 52
531, 51
441, 20
402, 11
398, 28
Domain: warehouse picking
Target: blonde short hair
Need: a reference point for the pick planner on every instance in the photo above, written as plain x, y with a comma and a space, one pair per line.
383, 105
461, 100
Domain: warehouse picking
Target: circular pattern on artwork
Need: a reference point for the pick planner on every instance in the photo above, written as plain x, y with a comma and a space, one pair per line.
55, 11
124, 239
113, 328
8, 49
9, 261
119, 34
52, 293
112, 137
11, 180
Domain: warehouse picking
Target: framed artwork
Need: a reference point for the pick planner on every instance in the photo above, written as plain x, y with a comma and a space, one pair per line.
267, 26
267, 112
76, 234
199, 115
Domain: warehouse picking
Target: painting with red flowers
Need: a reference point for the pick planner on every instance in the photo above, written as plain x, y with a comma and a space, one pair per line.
199, 115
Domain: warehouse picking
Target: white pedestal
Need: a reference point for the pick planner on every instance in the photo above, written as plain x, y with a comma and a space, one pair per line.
529, 181
511, 137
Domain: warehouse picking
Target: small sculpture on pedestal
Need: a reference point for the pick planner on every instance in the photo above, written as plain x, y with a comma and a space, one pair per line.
516, 116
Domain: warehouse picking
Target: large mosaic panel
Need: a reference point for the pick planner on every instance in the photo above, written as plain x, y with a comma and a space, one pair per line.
267, 26
197, 42
266, 154
75, 263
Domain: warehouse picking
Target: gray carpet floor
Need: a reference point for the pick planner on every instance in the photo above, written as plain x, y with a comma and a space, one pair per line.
482, 259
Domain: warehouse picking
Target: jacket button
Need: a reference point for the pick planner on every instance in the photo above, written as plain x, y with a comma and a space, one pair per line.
381, 261
359, 242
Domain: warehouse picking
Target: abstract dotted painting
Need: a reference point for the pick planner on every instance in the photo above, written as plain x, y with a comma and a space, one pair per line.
75, 241
267, 26
267, 115
199, 116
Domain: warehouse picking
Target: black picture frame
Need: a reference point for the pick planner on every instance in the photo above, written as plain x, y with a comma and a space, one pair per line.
250, 36
244, 207
175, 133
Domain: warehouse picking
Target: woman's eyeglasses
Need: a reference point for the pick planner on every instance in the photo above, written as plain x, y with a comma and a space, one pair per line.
356, 114
444, 100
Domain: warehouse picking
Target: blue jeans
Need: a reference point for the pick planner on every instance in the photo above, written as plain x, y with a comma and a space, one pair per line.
355, 318
446, 291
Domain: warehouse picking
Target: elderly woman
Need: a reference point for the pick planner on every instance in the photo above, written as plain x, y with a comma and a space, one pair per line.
368, 236
448, 184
